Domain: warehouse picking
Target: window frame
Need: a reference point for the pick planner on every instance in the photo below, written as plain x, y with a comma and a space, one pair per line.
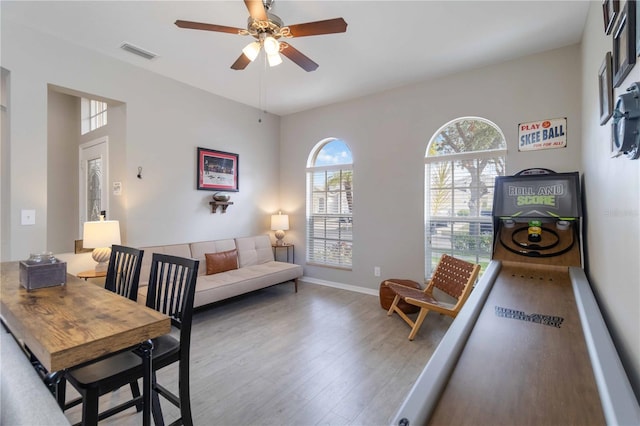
93, 117
341, 241
485, 223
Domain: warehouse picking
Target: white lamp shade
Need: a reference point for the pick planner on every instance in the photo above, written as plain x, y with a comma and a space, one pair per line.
274, 59
280, 222
101, 234
251, 50
271, 45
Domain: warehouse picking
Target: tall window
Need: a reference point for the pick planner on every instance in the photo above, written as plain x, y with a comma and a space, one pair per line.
94, 114
461, 163
330, 204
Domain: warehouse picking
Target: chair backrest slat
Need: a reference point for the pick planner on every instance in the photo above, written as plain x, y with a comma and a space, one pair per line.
123, 272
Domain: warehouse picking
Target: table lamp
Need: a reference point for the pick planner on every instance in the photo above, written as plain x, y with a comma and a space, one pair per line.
100, 235
279, 223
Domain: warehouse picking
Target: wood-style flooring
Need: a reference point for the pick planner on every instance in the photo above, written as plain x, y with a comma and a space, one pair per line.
322, 356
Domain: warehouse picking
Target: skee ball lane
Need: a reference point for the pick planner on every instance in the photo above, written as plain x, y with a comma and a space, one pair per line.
530, 346
525, 361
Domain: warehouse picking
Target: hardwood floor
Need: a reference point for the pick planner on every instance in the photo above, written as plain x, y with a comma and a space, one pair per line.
322, 356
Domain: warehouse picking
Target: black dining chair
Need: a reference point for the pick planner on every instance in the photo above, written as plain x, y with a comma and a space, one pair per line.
171, 291
123, 272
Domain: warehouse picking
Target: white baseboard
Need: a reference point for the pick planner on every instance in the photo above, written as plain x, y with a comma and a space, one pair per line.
342, 286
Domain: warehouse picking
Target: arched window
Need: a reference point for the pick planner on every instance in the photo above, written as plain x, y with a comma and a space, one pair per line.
330, 204
462, 160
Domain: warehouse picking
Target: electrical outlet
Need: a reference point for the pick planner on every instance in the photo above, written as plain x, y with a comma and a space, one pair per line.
376, 271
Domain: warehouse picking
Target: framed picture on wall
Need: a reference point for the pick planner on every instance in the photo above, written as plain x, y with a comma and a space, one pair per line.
605, 89
609, 13
217, 170
624, 43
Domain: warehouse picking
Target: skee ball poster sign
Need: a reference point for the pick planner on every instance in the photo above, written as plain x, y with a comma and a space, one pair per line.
544, 134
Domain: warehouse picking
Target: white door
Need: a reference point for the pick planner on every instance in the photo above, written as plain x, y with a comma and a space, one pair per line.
94, 167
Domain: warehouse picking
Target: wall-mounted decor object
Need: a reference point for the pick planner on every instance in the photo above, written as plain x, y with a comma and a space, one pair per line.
220, 200
609, 13
624, 43
626, 124
217, 170
543, 134
605, 89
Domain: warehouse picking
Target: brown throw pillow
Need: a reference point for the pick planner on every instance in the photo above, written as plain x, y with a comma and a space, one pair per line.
222, 261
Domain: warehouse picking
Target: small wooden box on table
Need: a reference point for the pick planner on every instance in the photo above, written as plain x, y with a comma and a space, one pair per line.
42, 274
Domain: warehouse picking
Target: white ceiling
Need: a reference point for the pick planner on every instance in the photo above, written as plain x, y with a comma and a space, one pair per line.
387, 44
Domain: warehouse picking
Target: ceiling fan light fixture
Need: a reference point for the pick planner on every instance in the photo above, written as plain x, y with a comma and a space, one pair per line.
271, 45
274, 59
266, 29
251, 50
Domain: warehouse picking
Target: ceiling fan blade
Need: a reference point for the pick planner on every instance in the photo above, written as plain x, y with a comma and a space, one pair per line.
256, 10
241, 63
298, 57
329, 26
207, 27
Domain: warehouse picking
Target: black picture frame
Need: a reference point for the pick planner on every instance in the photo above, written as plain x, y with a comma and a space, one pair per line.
609, 13
605, 89
624, 43
217, 170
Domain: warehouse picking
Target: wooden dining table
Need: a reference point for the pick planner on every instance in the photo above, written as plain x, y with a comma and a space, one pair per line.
68, 325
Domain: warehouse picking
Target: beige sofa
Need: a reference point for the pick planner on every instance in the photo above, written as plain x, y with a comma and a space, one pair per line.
256, 267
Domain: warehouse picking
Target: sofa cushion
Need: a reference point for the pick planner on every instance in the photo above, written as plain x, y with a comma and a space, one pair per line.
254, 250
181, 250
199, 249
222, 261
221, 286
216, 287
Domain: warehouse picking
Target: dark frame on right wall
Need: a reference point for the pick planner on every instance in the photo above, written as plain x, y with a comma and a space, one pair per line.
624, 43
609, 13
605, 89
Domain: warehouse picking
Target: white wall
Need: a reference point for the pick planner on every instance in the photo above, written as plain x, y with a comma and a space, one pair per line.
166, 122
5, 188
388, 134
62, 171
612, 194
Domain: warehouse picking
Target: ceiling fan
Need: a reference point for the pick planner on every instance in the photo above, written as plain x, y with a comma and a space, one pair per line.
267, 29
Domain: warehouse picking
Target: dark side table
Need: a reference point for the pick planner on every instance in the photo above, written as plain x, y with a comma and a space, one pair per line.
286, 246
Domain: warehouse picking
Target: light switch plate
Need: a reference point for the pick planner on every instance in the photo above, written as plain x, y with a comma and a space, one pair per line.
28, 217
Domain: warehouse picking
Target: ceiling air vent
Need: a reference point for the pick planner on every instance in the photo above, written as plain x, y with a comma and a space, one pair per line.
137, 51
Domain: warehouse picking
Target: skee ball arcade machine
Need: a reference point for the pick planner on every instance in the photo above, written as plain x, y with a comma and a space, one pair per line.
530, 346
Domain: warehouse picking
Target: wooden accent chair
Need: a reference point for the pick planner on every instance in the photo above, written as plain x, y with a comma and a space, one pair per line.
453, 276
171, 291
